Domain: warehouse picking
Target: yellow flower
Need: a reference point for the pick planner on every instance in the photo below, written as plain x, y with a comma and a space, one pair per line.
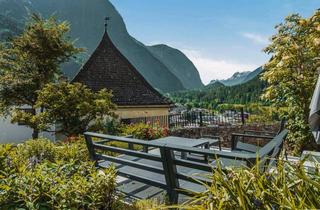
280, 64
286, 57
316, 41
302, 22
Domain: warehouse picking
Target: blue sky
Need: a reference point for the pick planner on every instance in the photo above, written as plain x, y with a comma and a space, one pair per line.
220, 36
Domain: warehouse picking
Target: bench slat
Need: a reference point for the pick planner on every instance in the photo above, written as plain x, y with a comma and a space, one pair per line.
131, 163
192, 164
212, 153
127, 152
143, 180
196, 180
124, 139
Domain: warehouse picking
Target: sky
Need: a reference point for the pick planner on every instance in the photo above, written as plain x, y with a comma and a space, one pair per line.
220, 37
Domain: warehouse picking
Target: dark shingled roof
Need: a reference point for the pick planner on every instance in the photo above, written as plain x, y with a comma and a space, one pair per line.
108, 68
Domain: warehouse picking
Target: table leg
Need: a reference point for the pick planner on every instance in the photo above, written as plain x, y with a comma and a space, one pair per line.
206, 146
183, 155
145, 149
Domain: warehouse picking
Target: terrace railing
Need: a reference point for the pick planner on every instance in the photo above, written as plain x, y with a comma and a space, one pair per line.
193, 119
161, 120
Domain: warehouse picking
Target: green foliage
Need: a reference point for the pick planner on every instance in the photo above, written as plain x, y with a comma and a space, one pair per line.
289, 186
31, 60
258, 112
146, 204
145, 131
213, 95
112, 126
42, 175
291, 73
73, 107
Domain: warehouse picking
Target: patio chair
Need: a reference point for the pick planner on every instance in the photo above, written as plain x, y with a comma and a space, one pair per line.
238, 145
267, 154
267, 133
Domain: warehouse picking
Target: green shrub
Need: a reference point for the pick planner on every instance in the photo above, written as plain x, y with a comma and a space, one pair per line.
43, 149
112, 126
41, 175
140, 205
145, 131
40, 149
289, 186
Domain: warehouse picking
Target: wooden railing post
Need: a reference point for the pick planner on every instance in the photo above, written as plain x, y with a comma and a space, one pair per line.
130, 145
90, 147
145, 149
201, 121
233, 142
242, 116
170, 171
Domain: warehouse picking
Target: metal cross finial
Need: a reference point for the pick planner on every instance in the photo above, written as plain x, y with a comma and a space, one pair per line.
106, 22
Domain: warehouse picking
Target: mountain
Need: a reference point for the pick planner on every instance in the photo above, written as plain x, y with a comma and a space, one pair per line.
179, 65
217, 93
237, 78
253, 74
247, 92
8, 28
240, 77
87, 27
213, 85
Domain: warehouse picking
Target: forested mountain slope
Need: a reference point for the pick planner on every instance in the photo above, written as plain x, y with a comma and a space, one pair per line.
87, 27
218, 93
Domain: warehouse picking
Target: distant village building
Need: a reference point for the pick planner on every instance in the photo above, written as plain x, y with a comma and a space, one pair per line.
108, 68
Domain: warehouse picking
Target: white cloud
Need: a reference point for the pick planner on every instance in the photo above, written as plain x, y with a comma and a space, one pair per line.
210, 68
256, 38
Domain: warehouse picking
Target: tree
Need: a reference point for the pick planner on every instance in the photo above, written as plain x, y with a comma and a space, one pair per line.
30, 61
72, 108
292, 72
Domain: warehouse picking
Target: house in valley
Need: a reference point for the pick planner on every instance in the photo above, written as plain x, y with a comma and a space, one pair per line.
108, 68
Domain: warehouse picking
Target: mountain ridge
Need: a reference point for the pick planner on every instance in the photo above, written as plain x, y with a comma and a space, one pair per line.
87, 21
179, 64
217, 93
240, 77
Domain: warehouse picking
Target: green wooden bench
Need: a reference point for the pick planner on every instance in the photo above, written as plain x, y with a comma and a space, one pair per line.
163, 167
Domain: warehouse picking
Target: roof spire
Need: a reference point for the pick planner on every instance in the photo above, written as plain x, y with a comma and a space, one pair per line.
106, 23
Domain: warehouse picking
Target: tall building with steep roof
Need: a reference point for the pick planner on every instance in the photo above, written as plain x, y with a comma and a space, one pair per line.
108, 68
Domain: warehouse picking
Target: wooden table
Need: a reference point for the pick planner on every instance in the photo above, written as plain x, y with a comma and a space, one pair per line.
213, 141
185, 142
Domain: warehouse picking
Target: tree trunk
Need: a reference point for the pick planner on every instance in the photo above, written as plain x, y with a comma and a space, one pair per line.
35, 134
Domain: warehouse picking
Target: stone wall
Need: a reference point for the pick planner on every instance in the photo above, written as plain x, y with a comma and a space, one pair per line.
224, 132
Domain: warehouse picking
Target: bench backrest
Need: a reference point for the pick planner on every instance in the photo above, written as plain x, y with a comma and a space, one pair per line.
270, 152
273, 147
167, 161
282, 125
